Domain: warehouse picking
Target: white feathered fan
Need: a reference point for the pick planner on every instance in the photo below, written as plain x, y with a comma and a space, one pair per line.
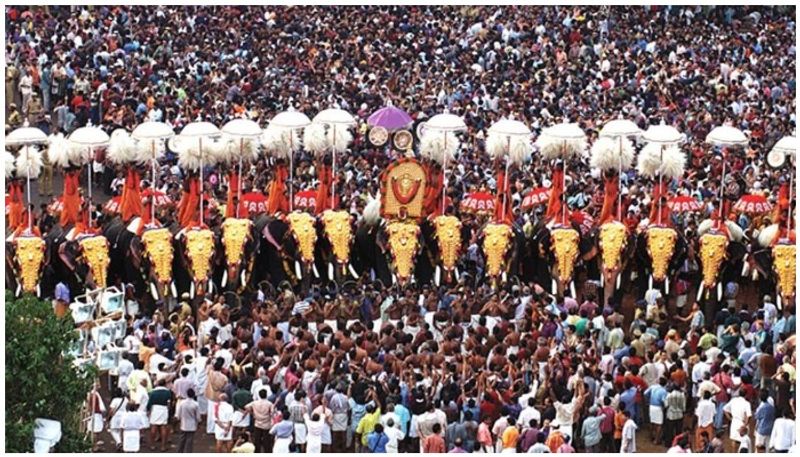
29, 163
652, 164
339, 138
433, 147
612, 154
9, 164
279, 143
372, 210
189, 152
58, 150
122, 148
519, 149
314, 139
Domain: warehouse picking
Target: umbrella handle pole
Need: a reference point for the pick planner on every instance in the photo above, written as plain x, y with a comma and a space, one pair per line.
722, 189
505, 179
153, 183
564, 188
660, 181
333, 169
444, 175
28, 190
789, 207
200, 144
291, 172
239, 177
89, 209
619, 184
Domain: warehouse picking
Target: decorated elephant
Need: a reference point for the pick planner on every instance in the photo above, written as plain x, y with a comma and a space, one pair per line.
661, 250
720, 250
774, 254
26, 261
616, 247
335, 243
238, 244
196, 251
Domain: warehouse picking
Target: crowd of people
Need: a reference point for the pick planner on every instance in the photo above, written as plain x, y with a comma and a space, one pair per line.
426, 369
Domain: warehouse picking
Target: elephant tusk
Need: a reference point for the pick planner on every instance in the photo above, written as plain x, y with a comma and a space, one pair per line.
745, 269
394, 278
700, 290
173, 289
352, 271
602, 279
504, 276
19, 290
650, 283
553, 287
458, 275
778, 302
38, 290
224, 278
314, 269
437, 276
191, 290
572, 289
330, 270
243, 277
755, 274
666, 286
210, 286
719, 291
153, 291
297, 271
619, 280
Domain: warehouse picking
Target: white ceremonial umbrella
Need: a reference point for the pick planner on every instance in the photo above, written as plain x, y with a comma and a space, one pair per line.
663, 135
445, 123
91, 138
618, 129
508, 128
200, 130
290, 120
27, 136
154, 132
725, 136
333, 117
241, 129
565, 132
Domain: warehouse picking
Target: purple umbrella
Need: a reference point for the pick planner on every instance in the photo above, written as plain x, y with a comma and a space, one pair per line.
390, 118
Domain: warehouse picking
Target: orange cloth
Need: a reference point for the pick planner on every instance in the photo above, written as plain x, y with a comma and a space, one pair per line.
658, 192
277, 200
188, 212
554, 203
233, 190
432, 203
71, 199
611, 190
323, 189
131, 204
16, 212
503, 192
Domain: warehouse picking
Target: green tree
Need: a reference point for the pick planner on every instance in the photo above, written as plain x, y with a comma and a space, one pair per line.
41, 379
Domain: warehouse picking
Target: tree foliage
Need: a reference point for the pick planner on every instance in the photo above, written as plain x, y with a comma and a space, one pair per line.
41, 379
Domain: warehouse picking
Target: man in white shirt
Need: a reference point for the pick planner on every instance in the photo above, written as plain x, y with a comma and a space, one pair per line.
705, 412
529, 413
738, 410
783, 435
628, 435
223, 427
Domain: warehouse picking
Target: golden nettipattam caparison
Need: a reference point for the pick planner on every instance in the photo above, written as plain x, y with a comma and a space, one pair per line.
200, 250
95, 251
613, 237
496, 242
30, 257
565, 248
785, 265
157, 245
234, 237
339, 232
403, 244
448, 237
712, 253
305, 233
660, 247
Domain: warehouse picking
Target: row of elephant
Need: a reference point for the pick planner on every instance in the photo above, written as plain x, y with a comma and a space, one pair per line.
305, 250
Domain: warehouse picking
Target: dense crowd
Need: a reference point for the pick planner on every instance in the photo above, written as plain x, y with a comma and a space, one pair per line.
458, 369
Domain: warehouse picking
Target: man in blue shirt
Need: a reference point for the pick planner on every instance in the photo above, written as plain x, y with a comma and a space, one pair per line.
628, 398
656, 395
765, 418
377, 440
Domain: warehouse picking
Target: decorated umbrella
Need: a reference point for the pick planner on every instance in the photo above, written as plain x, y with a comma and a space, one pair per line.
306, 199
776, 158
482, 203
90, 138
753, 204
113, 205
252, 201
584, 220
443, 124
245, 133
665, 138
390, 117
290, 121
684, 204
338, 122
29, 163
155, 133
535, 198
725, 136
196, 132
158, 197
562, 141
500, 137
617, 132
